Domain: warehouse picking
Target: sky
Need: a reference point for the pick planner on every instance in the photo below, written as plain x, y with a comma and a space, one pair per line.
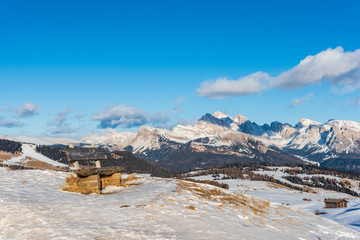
76, 68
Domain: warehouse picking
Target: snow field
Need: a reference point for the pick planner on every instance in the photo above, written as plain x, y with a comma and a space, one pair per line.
33, 207
348, 217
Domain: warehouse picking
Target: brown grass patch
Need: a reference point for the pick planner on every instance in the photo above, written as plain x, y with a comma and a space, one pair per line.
131, 177
191, 207
171, 200
239, 201
42, 165
8, 155
276, 185
214, 183
25, 182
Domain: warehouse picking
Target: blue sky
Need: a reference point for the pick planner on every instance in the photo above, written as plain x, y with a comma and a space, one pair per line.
73, 68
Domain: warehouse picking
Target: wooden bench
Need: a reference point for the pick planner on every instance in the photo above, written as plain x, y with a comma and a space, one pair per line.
94, 177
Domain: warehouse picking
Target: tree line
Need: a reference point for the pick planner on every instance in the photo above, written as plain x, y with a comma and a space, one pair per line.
246, 171
10, 146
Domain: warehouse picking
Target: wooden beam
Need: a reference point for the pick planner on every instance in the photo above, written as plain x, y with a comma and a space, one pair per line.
76, 165
98, 164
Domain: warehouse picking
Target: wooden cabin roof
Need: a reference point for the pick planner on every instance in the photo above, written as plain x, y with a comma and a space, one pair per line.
334, 200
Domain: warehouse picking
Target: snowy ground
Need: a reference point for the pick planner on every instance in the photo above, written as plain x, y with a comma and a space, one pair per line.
33, 207
349, 217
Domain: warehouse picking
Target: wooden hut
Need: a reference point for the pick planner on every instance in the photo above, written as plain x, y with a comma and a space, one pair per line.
335, 202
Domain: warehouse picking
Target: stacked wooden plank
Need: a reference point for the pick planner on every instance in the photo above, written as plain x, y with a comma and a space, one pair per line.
95, 178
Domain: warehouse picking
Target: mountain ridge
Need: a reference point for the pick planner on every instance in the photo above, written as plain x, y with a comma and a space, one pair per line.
309, 139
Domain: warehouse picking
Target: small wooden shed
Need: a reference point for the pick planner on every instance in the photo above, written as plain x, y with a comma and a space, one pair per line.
335, 202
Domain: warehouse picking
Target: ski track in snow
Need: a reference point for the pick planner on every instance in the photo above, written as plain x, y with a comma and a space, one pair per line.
33, 207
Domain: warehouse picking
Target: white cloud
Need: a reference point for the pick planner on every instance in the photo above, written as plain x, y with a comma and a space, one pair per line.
223, 87
299, 101
29, 109
62, 130
178, 101
59, 122
60, 118
356, 102
80, 116
341, 69
333, 65
127, 117
9, 124
5, 108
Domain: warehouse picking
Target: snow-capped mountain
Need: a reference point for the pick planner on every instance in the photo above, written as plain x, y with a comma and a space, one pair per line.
239, 139
113, 141
307, 137
332, 138
214, 140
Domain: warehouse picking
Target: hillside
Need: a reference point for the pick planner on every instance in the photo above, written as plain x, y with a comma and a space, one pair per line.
33, 207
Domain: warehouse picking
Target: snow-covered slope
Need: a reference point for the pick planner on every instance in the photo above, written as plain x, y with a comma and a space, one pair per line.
29, 157
33, 207
309, 202
149, 138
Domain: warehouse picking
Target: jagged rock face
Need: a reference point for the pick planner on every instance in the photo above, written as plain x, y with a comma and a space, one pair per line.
221, 150
240, 119
286, 131
224, 122
331, 138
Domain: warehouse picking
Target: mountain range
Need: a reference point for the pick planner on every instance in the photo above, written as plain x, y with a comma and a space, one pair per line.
218, 139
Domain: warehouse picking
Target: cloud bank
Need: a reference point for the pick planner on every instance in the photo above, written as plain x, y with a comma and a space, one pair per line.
9, 124
341, 69
127, 117
29, 109
223, 87
60, 123
60, 117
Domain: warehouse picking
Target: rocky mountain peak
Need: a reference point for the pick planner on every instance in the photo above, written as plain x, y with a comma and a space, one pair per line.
239, 119
220, 115
304, 122
223, 122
